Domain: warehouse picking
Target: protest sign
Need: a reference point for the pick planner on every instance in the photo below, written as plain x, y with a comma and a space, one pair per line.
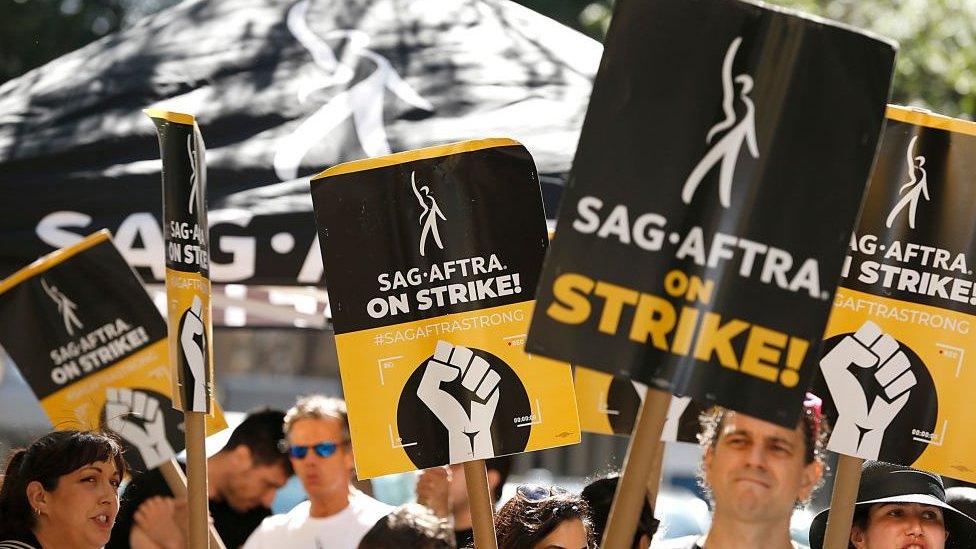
719, 173
187, 258
431, 258
895, 374
188, 297
92, 346
609, 405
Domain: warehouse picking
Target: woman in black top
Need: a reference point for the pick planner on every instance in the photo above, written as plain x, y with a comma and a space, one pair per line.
61, 492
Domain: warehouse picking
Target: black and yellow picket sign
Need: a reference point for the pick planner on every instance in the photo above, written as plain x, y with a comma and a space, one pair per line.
187, 258
896, 373
431, 261
608, 405
719, 171
92, 346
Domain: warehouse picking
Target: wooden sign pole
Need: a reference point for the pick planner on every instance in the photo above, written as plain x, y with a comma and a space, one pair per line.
654, 477
482, 509
177, 484
632, 487
842, 499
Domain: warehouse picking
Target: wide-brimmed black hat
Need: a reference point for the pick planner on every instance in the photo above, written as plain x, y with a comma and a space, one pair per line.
887, 483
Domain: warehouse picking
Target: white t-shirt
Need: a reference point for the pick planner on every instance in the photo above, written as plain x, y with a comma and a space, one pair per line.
342, 530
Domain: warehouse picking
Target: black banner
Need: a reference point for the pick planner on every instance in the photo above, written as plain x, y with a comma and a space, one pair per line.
276, 101
439, 217
92, 346
719, 173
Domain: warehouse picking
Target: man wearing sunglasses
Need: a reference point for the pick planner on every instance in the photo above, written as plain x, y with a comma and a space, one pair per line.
336, 515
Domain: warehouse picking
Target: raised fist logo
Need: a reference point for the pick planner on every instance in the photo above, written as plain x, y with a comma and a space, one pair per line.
861, 425
469, 431
138, 418
191, 326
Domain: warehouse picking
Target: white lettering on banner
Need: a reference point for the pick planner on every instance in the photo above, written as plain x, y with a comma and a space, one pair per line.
441, 328
647, 231
96, 349
922, 278
140, 240
442, 295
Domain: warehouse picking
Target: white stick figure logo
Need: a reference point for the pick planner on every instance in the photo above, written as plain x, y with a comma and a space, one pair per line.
428, 218
726, 150
362, 101
916, 187
191, 151
65, 306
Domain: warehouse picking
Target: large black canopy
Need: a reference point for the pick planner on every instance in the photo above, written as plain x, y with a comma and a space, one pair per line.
281, 89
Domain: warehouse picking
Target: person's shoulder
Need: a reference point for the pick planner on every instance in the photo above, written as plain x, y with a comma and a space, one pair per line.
684, 542
362, 504
15, 544
297, 515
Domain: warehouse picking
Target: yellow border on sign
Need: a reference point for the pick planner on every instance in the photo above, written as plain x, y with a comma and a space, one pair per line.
170, 116
44, 263
418, 154
930, 119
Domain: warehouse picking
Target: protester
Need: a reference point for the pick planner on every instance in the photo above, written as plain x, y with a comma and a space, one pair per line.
336, 515
61, 492
242, 480
755, 473
963, 498
444, 490
410, 525
539, 517
898, 506
599, 496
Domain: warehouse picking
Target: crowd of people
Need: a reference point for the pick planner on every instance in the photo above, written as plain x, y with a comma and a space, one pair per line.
63, 491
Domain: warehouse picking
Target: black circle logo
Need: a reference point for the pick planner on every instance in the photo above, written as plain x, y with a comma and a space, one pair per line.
416, 423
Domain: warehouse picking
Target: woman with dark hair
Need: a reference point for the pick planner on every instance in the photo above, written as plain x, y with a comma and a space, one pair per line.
61, 492
599, 496
540, 517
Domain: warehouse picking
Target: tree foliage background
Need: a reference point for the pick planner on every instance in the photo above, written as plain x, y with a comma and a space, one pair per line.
936, 67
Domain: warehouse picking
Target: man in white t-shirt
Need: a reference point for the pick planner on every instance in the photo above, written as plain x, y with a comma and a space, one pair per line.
336, 515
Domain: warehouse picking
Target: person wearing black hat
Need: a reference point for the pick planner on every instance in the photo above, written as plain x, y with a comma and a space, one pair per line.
899, 507
962, 498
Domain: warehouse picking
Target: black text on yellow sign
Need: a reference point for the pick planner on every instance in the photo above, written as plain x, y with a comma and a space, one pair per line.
733, 343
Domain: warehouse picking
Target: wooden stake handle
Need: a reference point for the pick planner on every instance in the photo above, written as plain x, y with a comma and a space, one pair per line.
177, 484
654, 477
479, 499
841, 516
632, 487
196, 473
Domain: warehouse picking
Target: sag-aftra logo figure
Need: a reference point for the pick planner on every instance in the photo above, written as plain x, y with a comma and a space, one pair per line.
726, 150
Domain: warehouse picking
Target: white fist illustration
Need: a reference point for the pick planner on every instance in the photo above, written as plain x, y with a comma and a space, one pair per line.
149, 438
861, 425
469, 433
195, 357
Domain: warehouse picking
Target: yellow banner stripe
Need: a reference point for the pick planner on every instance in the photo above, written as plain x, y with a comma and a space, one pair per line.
58, 256
177, 117
930, 120
418, 154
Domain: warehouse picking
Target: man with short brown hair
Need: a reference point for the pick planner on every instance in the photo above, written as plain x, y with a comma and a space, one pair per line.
336, 515
756, 473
